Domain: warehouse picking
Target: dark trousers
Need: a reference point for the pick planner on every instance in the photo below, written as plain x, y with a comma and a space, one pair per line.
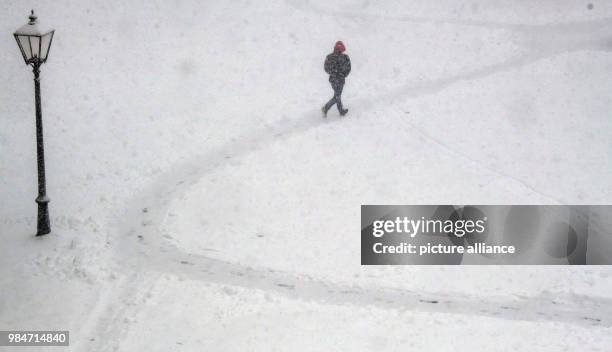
337, 86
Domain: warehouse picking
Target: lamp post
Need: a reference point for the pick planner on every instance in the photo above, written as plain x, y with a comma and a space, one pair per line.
34, 45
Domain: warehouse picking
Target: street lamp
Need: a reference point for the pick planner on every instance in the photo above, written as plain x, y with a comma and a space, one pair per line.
34, 45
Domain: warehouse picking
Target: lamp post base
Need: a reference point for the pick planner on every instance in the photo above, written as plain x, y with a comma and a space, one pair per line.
44, 225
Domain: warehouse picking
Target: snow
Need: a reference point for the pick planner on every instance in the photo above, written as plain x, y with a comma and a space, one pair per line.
199, 201
239, 319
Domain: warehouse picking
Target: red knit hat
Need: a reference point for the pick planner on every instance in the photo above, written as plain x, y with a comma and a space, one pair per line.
339, 47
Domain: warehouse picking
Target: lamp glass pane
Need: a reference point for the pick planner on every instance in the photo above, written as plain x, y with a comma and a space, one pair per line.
35, 43
45, 45
25, 46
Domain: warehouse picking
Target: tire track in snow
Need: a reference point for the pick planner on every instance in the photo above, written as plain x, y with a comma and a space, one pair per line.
154, 253
141, 249
308, 6
144, 253
540, 41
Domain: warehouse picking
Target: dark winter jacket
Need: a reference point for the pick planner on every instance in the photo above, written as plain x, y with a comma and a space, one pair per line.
338, 66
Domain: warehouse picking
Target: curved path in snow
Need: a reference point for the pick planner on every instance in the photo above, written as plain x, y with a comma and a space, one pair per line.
143, 254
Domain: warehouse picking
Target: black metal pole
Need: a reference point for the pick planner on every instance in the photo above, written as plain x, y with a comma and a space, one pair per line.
44, 226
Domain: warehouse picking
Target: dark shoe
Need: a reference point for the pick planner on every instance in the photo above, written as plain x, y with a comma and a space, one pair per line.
324, 111
343, 112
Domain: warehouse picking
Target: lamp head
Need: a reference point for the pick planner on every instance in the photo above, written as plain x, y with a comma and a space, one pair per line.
33, 42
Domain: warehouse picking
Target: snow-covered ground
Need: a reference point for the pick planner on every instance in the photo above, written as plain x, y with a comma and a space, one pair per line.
200, 202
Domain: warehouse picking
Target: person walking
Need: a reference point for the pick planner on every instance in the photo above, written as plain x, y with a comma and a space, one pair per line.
337, 66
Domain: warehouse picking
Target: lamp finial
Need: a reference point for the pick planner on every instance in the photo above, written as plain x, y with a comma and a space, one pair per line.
32, 17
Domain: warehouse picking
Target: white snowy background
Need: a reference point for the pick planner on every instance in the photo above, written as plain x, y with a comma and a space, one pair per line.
199, 202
